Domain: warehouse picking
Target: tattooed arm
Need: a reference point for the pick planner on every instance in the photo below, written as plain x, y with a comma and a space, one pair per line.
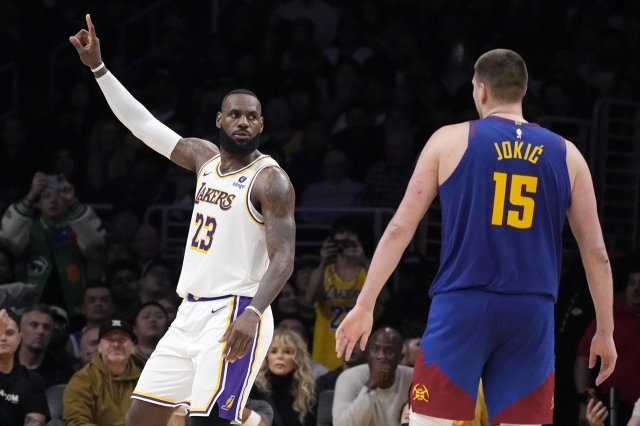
192, 153
274, 194
35, 419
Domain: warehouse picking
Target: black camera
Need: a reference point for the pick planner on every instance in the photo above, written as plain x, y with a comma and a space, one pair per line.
341, 245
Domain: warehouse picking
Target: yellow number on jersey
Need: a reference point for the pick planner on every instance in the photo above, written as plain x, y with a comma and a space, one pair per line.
518, 183
209, 224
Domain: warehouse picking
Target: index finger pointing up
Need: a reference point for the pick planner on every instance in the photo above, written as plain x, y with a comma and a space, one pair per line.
92, 30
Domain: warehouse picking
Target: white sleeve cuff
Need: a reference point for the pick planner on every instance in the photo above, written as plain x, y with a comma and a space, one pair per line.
136, 117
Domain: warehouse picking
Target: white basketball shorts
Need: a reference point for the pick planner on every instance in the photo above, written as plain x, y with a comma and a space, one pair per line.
187, 370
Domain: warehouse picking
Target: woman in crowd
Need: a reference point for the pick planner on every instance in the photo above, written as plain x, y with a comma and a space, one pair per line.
285, 381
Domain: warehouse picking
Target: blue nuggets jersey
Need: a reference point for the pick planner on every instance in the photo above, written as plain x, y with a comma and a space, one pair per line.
503, 209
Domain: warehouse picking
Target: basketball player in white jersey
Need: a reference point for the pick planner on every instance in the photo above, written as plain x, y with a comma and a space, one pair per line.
240, 252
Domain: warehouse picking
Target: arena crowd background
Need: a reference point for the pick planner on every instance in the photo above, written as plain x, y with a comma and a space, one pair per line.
351, 90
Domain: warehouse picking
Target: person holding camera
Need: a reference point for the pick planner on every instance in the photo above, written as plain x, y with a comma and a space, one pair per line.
52, 249
335, 285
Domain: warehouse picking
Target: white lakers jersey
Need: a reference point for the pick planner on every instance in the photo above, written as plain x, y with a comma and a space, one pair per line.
226, 250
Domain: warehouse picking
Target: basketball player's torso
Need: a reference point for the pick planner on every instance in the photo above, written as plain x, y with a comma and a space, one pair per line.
504, 190
226, 249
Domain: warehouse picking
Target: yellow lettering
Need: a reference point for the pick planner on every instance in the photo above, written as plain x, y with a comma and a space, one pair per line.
537, 151
506, 149
498, 199
517, 149
498, 150
526, 154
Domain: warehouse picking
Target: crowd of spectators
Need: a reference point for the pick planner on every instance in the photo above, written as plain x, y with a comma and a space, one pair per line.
350, 90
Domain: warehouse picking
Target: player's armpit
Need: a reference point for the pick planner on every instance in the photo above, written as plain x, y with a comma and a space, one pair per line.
192, 153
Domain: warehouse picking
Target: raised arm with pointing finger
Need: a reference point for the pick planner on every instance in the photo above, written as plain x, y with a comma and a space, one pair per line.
189, 153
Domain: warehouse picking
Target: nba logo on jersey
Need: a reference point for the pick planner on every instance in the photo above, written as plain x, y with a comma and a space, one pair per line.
519, 133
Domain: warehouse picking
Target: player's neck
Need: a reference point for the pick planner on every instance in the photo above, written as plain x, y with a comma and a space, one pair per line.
230, 163
510, 111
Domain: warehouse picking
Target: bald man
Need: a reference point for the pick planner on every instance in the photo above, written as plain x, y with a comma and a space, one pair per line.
374, 394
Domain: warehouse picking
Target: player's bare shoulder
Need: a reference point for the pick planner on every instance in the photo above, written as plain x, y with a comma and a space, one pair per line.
446, 147
274, 192
192, 153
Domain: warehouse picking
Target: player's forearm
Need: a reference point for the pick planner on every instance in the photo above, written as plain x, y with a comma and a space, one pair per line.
276, 276
136, 117
598, 270
395, 240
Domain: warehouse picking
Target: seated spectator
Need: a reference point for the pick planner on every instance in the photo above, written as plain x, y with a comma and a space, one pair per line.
89, 344
386, 181
123, 276
285, 381
100, 393
335, 285
374, 394
410, 348
626, 336
306, 166
286, 303
36, 327
328, 381
146, 245
335, 191
150, 324
170, 305
60, 347
52, 250
23, 400
97, 307
155, 282
296, 324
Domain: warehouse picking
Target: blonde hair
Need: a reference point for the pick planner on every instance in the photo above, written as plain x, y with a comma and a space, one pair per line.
303, 386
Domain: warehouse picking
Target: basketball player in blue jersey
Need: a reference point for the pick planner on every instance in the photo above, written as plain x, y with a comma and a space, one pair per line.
505, 186
239, 255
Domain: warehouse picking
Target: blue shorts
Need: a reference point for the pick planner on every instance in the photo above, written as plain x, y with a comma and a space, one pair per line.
507, 340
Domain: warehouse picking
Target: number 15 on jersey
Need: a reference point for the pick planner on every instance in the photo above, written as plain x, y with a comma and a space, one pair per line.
519, 184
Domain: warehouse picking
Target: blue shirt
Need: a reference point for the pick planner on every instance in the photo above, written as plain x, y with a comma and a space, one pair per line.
503, 209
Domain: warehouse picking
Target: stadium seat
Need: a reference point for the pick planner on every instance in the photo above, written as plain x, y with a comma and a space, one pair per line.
325, 407
54, 399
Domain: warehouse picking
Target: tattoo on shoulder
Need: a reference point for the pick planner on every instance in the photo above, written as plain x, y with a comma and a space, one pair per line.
32, 421
279, 192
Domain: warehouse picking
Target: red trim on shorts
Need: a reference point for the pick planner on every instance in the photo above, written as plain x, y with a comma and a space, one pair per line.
433, 394
535, 408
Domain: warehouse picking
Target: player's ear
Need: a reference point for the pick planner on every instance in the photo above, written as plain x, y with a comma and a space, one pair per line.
219, 120
261, 124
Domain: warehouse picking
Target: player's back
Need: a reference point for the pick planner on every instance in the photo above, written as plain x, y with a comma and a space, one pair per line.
503, 209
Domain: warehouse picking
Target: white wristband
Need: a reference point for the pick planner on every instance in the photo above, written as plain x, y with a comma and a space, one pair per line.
254, 310
98, 68
253, 419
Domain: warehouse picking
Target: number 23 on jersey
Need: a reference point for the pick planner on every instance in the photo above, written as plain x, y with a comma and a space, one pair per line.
207, 226
519, 184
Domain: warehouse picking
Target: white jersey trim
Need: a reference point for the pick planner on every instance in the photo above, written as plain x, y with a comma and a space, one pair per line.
262, 157
253, 212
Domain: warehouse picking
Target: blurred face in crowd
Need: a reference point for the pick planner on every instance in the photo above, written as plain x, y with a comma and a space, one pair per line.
115, 347
288, 299
6, 274
147, 244
157, 281
51, 204
97, 305
281, 358
151, 323
125, 284
37, 328
335, 166
384, 347
398, 148
170, 307
296, 326
410, 349
632, 294
9, 341
89, 344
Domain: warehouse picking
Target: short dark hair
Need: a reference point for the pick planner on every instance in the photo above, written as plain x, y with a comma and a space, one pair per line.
144, 305
95, 284
504, 72
119, 265
242, 92
42, 308
15, 317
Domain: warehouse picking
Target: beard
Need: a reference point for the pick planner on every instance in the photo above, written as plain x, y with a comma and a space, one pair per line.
238, 149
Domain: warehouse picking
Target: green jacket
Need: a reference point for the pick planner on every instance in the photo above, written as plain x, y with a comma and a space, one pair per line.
95, 397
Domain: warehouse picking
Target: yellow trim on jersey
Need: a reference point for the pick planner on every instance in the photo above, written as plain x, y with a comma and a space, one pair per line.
160, 398
243, 401
248, 196
244, 169
213, 394
205, 164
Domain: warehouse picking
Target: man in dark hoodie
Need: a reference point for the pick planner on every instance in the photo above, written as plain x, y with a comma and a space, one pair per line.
100, 392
